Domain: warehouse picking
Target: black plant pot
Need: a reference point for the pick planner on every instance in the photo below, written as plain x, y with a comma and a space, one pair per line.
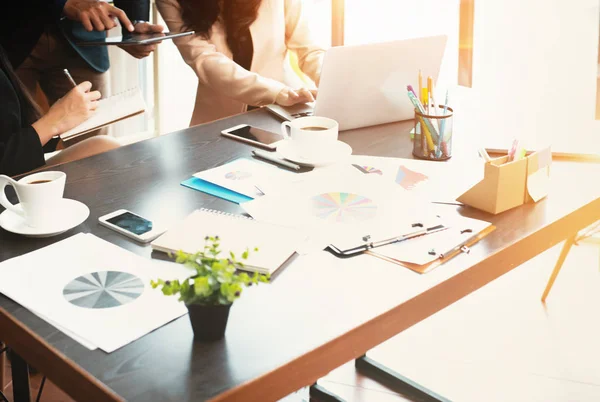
208, 322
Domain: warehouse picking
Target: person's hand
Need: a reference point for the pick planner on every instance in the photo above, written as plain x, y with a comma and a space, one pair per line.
69, 111
96, 15
141, 51
288, 96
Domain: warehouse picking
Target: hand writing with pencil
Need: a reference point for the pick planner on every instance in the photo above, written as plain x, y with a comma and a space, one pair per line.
69, 111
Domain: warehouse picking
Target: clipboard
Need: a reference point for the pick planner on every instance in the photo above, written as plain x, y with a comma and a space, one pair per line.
369, 242
440, 258
132, 39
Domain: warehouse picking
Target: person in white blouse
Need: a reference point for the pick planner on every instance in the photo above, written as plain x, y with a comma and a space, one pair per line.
239, 52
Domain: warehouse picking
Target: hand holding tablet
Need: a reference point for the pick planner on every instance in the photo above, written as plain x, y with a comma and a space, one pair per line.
134, 39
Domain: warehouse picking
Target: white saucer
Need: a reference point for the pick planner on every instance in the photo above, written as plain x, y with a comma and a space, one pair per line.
72, 213
338, 152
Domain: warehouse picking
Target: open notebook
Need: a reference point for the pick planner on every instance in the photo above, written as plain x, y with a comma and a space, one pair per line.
112, 109
276, 244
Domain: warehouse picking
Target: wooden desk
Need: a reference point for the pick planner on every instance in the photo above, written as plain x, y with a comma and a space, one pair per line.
319, 313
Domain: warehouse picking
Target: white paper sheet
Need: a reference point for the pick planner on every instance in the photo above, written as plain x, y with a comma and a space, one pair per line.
244, 176
94, 289
430, 180
341, 206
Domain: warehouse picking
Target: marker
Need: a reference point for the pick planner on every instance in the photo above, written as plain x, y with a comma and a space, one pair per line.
425, 99
69, 77
513, 150
411, 89
427, 123
430, 144
420, 86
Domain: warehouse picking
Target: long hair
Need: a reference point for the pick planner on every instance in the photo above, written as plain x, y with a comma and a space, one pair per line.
30, 111
236, 15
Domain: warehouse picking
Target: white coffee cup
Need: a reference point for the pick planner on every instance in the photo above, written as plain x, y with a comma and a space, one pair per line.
311, 136
39, 197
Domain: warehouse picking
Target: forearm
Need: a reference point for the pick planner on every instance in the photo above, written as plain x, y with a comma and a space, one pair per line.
46, 128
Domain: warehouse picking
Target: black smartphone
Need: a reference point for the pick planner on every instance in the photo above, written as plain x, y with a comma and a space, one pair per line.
253, 135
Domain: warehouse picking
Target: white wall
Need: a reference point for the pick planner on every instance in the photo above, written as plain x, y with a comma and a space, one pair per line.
535, 72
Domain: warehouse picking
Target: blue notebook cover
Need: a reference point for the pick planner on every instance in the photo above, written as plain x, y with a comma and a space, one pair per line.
212, 189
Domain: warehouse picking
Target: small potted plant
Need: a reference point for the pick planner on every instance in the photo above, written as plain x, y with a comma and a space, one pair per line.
211, 290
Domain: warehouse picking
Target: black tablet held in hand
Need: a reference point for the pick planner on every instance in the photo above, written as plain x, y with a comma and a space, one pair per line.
133, 39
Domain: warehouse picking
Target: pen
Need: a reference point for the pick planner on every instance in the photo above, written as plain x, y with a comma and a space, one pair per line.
69, 77
443, 123
268, 157
393, 240
421, 232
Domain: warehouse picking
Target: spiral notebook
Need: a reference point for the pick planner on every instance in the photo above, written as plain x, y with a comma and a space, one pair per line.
276, 244
110, 110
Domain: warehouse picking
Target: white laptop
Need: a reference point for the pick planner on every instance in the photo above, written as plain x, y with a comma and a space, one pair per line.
365, 85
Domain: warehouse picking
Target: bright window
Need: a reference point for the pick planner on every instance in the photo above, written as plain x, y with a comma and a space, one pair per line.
535, 72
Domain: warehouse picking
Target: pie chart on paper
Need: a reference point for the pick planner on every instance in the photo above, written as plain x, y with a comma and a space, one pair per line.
343, 207
105, 289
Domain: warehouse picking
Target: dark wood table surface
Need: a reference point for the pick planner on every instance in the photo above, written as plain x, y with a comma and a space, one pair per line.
317, 314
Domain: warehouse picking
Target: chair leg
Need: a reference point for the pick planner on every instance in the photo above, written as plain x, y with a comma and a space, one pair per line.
2, 366
20, 378
559, 263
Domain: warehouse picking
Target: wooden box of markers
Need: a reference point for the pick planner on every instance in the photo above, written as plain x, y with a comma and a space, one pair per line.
507, 185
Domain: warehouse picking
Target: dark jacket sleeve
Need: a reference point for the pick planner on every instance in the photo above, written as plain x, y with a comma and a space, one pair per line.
135, 9
20, 146
57, 7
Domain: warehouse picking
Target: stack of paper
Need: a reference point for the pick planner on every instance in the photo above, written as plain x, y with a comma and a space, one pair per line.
342, 209
94, 291
374, 201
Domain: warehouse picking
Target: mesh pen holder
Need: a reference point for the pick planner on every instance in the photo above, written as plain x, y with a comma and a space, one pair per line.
433, 134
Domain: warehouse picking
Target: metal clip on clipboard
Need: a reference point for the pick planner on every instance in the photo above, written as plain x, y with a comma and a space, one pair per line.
368, 244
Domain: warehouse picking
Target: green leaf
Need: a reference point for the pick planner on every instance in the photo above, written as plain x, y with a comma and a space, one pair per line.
215, 280
202, 287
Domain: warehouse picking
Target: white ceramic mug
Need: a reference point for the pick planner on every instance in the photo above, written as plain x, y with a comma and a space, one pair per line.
312, 136
39, 197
